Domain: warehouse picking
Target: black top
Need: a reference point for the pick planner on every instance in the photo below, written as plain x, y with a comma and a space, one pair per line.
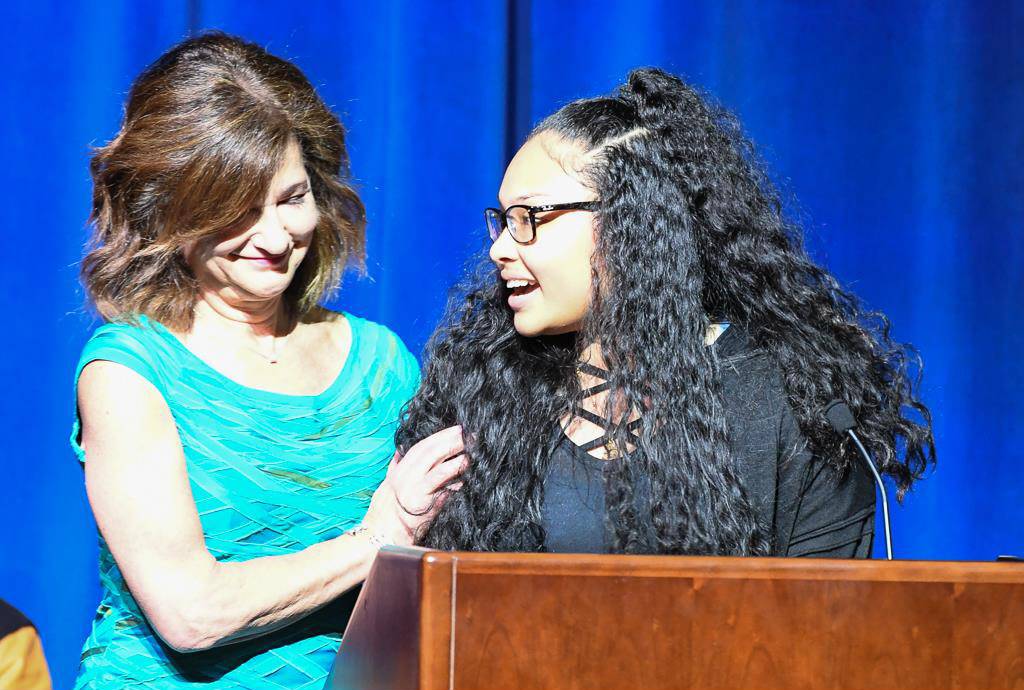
809, 509
11, 619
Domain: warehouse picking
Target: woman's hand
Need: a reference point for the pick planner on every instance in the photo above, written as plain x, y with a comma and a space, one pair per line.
416, 487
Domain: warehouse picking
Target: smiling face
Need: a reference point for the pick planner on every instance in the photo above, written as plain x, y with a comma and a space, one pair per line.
254, 264
549, 280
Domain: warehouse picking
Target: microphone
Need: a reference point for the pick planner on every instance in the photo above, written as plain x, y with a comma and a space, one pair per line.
841, 419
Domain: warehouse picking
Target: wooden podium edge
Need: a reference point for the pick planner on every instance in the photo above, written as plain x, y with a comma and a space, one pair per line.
423, 615
438, 571
597, 565
368, 656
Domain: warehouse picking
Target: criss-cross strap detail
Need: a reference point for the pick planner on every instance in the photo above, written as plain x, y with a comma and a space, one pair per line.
599, 388
592, 370
591, 417
605, 439
594, 390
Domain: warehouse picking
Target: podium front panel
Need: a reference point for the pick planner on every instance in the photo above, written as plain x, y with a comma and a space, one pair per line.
595, 621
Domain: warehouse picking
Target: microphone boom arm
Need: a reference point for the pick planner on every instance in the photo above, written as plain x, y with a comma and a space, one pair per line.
881, 489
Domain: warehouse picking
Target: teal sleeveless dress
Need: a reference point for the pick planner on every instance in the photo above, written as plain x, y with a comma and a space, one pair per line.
271, 474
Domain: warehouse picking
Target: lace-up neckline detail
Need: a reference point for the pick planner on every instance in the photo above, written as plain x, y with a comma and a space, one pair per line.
605, 440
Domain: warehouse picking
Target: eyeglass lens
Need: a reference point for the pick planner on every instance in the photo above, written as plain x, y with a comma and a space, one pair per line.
518, 221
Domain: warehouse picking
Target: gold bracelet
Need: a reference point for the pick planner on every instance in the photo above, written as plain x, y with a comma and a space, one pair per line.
374, 538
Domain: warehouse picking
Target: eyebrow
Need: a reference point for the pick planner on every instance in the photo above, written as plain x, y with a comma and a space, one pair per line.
293, 189
524, 197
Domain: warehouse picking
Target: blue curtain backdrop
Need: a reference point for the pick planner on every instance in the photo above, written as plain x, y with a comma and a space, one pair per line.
898, 126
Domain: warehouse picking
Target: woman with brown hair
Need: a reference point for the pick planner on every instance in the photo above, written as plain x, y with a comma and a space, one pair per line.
238, 435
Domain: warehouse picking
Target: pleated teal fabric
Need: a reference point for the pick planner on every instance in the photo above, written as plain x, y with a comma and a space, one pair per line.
271, 474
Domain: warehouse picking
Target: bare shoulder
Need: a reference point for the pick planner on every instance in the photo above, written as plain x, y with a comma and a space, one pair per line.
323, 316
116, 401
329, 326
105, 380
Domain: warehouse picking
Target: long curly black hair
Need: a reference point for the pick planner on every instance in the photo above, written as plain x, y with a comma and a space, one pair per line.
689, 231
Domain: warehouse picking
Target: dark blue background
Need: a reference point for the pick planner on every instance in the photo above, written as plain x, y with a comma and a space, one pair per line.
897, 125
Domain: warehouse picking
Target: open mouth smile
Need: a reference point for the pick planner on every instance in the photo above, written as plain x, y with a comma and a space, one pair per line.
521, 292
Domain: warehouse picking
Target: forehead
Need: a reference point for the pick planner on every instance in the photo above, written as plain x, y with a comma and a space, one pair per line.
543, 167
292, 168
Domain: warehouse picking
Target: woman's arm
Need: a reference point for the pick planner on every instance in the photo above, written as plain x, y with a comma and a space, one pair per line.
139, 492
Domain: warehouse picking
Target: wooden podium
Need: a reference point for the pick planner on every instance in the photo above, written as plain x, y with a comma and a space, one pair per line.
430, 620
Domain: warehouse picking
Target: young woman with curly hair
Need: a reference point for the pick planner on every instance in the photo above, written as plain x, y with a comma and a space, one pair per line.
643, 364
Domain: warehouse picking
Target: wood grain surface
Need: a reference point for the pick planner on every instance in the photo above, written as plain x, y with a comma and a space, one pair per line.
493, 621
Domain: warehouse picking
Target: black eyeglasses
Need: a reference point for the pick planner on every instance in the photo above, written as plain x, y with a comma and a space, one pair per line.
521, 220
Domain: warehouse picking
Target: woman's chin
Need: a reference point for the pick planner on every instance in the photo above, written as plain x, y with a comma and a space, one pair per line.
525, 327
536, 328
263, 290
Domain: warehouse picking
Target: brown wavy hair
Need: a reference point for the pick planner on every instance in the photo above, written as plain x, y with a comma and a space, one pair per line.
205, 129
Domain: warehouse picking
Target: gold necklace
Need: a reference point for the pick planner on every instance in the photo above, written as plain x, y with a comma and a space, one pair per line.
275, 351
273, 357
